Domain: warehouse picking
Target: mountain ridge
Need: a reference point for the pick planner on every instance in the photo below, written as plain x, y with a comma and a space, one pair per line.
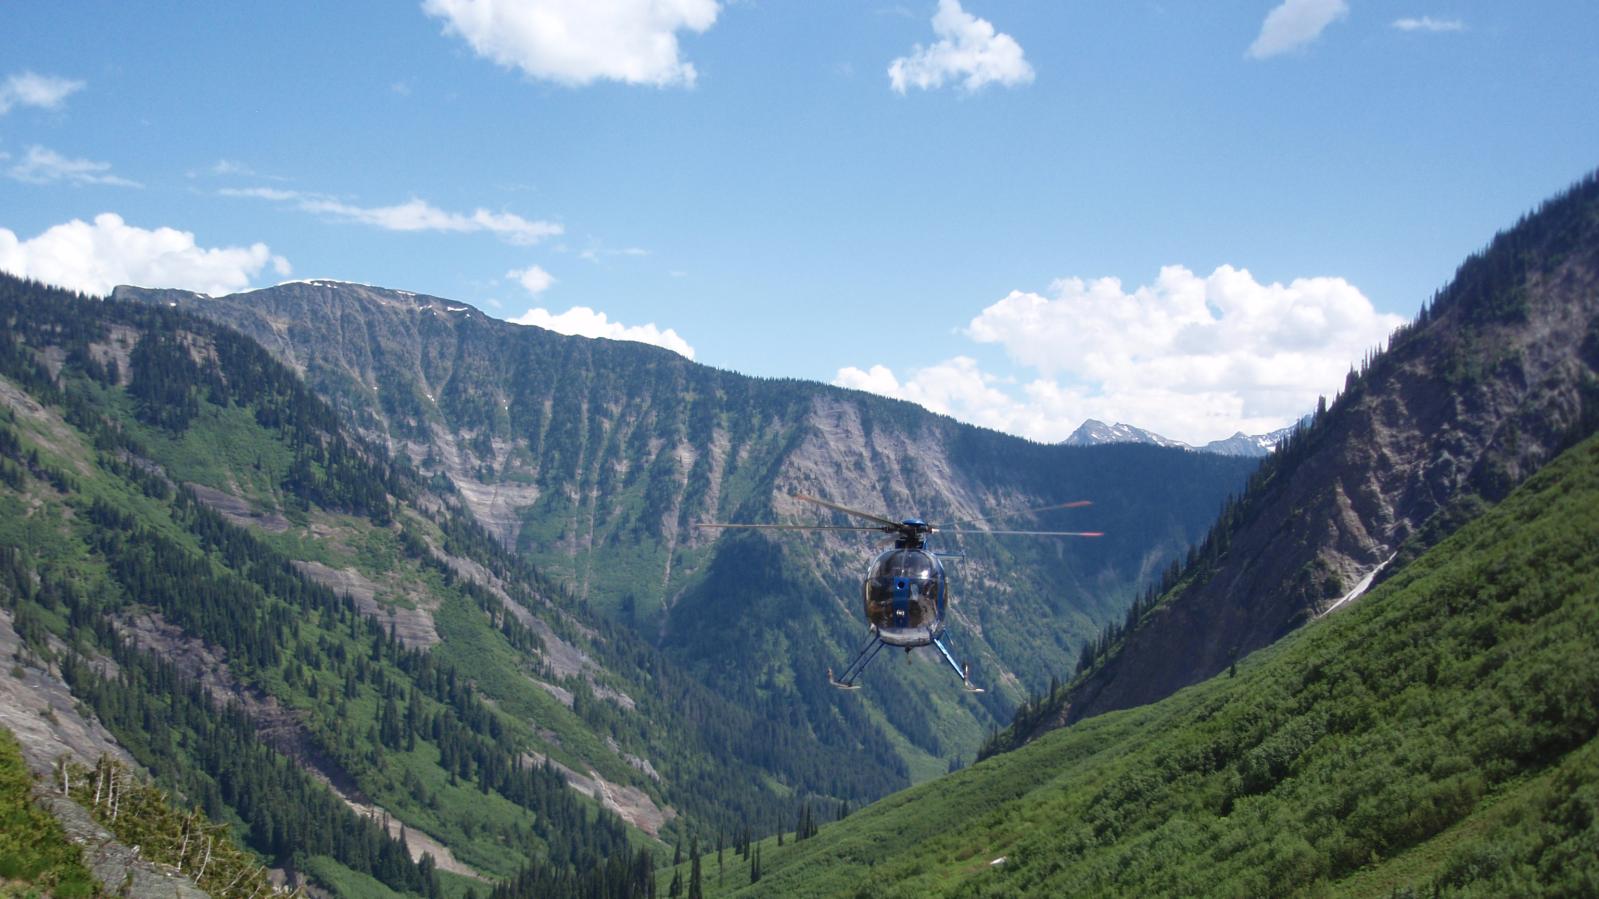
1496, 375
1093, 432
596, 458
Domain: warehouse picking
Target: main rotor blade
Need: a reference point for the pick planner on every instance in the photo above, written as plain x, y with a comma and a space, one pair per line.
795, 527
847, 510
1078, 504
1026, 533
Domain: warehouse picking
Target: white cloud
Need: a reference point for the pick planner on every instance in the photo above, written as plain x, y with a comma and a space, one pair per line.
534, 278
1193, 358
1295, 23
45, 166
585, 322
955, 387
413, 215
31, 89
262, 193
969, 52
1428, 23
577, 42
231, 167
596, 253
93, 258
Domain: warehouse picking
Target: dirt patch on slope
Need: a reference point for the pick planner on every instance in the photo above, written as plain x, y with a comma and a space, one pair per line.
564, 659
55, 435
413, 626
237, 510
629, 803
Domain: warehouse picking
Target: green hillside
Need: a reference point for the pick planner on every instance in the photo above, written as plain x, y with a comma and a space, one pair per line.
1436, 737
273, 618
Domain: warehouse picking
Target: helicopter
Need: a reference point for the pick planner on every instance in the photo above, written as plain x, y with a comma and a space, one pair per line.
906, 592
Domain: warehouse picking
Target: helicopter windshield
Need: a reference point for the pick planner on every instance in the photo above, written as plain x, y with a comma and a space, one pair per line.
904, 596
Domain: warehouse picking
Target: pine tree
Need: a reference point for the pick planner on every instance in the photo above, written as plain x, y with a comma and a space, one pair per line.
695, 889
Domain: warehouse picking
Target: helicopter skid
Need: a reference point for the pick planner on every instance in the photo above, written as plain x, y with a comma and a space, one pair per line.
838, 685
875, 643
965, 673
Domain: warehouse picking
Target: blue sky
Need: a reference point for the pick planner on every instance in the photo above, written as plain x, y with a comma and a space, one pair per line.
1188, 216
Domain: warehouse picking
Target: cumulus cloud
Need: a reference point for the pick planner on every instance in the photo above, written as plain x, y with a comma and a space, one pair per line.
577, 42
1428, 23
955, 387
585, 322
413, 215
42, 165
32, 89
94, 257
1295, 23
1189, 357
969, 52
534, 278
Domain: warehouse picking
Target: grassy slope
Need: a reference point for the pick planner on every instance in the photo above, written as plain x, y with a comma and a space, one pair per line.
1438, 733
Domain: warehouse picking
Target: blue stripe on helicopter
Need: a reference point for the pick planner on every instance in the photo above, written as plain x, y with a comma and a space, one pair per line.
902, 601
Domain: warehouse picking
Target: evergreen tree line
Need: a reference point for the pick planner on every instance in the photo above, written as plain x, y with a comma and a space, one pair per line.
622, 875
254, 608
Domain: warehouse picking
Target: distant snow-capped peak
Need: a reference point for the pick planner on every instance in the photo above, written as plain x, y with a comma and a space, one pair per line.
1094, 432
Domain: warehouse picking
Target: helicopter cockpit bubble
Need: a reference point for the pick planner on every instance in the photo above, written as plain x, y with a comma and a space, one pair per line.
904, 594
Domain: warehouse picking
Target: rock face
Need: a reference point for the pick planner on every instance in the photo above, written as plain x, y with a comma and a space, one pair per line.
412, 625
120, 868
37, 706
1499, 374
